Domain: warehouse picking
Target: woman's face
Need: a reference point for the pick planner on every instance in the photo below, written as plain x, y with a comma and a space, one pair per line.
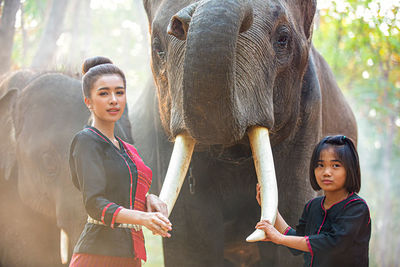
107, 98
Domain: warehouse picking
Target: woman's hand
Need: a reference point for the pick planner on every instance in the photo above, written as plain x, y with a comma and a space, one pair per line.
157, 223
271, 233
154, 204
154, 221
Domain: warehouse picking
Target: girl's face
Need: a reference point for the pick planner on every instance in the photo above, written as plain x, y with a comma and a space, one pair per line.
330, 172
107, 98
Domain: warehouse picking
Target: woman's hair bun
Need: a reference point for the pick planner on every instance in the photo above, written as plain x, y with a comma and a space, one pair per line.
94, 61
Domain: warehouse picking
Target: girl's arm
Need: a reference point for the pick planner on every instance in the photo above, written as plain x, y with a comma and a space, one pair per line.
275, 236
280, 223
154, 221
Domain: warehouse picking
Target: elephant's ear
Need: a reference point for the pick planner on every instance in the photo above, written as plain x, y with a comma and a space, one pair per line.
308, 8
8, 162
151, 7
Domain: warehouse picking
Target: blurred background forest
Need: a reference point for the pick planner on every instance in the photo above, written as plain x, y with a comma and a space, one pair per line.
360, 39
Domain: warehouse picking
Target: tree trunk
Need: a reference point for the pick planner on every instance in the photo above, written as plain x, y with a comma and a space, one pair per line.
52, 31
80, 33
24, 35
7, 29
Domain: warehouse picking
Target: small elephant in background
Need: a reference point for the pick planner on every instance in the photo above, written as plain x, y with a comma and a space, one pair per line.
41, 212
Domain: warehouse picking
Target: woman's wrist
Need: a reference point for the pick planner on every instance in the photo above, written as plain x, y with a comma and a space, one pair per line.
281, 239
130, 216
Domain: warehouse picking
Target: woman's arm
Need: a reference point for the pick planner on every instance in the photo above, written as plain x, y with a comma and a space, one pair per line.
154, 221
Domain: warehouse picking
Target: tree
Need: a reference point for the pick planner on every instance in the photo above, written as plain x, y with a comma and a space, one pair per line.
7, 29
48, 43
80, 30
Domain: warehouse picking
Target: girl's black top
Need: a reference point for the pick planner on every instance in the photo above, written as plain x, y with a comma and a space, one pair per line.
338, 236
100, 171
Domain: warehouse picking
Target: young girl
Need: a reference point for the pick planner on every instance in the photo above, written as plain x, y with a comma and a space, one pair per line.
112, 177
334, 230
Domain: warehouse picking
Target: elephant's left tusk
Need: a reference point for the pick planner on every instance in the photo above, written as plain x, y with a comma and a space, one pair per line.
64, 241
177, 169
264, 164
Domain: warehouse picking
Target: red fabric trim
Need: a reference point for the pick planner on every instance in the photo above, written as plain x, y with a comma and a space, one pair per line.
142, 187
351, 201
131, 184
362, 201
114, 216
98, 134
310, 248
287, 230
322, 206
309, 245
336, 202
104, 212
308, 205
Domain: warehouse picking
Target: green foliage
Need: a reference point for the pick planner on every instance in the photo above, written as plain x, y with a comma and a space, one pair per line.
32, 17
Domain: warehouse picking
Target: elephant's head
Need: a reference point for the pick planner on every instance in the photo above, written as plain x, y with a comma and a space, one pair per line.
49, 111
224, 68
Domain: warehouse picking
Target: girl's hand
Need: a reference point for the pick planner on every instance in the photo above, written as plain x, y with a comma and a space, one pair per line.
271, 233
258, 197
154, 204
157, 223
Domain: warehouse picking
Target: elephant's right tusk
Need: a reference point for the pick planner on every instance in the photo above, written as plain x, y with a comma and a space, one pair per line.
264, 164
64, 241
177, 169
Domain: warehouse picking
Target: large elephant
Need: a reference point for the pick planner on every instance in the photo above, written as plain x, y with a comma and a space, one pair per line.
40, 113
235, 79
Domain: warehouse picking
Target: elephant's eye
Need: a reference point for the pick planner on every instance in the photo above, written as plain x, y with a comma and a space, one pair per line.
158, 51
283, 38
161, 55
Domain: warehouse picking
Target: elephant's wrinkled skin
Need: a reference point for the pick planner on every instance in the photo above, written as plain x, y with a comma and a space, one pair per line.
40, 113
223, 67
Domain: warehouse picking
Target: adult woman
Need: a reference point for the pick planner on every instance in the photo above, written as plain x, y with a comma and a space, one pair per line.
112, 177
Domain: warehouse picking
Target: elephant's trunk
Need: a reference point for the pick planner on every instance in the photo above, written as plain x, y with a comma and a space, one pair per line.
211, 110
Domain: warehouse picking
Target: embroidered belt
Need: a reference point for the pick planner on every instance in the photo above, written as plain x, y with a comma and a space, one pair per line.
136, 227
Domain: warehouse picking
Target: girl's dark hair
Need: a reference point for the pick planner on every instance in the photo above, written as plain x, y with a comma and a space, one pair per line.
347, 155
95, 67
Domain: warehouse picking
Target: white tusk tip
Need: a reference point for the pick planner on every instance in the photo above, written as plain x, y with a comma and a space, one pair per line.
257, 235
64, 246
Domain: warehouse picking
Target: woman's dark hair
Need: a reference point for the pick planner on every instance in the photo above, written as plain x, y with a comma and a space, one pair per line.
95, 67
347, 155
